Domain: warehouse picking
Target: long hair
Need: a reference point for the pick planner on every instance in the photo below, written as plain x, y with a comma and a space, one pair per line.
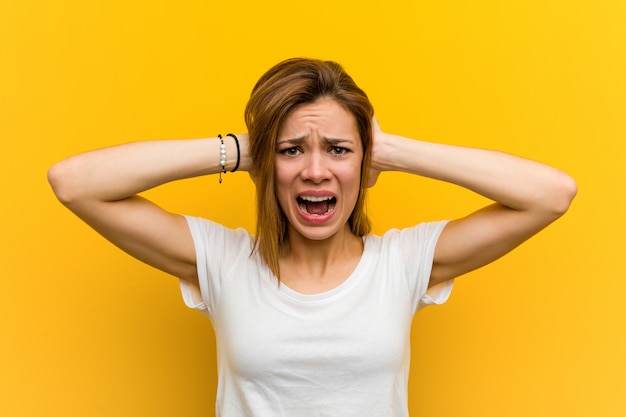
276, 94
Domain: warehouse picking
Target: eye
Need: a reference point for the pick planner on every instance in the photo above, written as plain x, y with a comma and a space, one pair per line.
293, 151
338, 150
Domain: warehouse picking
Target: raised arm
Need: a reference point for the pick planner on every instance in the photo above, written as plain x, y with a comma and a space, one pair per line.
101, 188
527, 196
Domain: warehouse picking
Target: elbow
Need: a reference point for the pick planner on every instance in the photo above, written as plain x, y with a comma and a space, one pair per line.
563, 191
61, 179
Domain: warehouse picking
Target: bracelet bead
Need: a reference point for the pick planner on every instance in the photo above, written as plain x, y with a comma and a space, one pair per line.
222, 156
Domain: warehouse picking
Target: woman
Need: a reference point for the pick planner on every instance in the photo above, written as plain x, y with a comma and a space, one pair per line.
312, 314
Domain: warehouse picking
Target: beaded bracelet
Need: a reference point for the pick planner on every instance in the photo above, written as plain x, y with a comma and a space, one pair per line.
223, 154
222, 157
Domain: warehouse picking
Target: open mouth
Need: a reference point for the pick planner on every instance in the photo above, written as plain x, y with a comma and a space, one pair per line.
316, 206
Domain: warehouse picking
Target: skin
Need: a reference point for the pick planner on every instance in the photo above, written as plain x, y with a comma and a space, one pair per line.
527, 196
319, 153
102, 187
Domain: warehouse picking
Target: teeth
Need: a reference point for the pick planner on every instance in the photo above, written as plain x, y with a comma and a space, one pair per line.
331, 205
314, 199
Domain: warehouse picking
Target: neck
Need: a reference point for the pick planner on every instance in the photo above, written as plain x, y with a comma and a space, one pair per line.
318, 265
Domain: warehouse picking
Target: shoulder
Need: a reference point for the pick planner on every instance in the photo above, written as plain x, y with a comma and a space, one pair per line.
410, 249
217, 242
201, 226
405, 256
425, 233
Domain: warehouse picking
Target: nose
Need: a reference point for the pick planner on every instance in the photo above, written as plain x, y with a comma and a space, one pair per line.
316, 168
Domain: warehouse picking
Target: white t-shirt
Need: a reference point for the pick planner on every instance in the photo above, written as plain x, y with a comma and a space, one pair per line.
344, 352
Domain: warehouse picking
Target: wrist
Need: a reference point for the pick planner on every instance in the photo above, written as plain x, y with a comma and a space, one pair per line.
233, 153
245, 161
388, 152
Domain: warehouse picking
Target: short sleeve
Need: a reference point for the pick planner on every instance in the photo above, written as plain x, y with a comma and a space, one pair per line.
438, 294
217, 251
415, 251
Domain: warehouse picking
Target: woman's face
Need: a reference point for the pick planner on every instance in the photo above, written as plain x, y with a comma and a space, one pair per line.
318, 169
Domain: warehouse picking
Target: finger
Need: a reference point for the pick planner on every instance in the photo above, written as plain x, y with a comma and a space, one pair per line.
375, 124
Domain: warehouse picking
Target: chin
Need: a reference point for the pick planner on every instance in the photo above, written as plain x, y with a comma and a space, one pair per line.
318, 233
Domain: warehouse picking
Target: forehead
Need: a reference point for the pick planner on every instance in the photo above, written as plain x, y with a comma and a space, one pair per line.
325, 116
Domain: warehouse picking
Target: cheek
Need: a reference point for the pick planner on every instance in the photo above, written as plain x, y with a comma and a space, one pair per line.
351, 180
283, 196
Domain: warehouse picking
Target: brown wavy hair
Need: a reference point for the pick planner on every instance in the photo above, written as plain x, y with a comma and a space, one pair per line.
277, 93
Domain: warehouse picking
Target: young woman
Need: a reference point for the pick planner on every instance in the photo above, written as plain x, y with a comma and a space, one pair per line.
312, 314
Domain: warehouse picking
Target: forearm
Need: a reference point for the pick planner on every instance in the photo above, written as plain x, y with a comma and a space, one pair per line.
119, 172
514, 182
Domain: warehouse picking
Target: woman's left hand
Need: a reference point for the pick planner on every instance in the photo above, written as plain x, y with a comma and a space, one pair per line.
377, 144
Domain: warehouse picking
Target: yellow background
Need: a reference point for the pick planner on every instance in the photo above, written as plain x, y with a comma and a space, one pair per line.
87, 331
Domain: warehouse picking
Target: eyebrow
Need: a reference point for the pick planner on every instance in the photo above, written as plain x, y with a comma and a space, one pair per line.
300, 140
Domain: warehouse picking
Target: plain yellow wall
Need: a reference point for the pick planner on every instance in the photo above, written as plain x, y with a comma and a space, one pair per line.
87, 331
